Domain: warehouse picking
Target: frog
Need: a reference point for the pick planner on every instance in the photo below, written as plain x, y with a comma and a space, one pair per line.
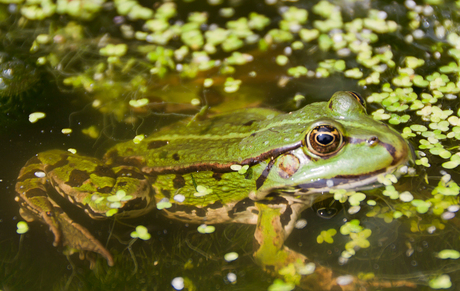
254, 166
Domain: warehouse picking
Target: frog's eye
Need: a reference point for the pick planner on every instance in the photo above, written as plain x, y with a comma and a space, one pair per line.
324, 140
359, 98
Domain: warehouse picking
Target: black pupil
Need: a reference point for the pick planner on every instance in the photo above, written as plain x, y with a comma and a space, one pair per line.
324, 138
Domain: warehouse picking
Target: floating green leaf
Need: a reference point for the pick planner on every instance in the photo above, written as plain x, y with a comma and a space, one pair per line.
141, 232
22, 226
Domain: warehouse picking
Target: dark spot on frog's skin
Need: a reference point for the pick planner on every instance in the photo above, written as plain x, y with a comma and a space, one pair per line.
133, 161
157, 144
261, 180
217, 176
112, 155
104, 190
273, 199
200, 212
249, 123
249, 174
33, 161
60, 163
179, 207
255, 211
215, 205
152, 178
176, 157
122, 184
166, 193
77, 178
253, 134
114, 158
285, 217
240, 207
103, 171
135, 204
178, 182
36, 192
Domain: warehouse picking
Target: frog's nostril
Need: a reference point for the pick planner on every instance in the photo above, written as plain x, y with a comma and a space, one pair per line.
373, 141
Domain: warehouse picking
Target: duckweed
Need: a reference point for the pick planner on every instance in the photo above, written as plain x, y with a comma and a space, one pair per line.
22, 227
141, 232
232, 256
326, 236
36, 116
206, 229
440, 282
448, 254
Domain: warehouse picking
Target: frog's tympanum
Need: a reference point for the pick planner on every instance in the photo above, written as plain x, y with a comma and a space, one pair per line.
254, 166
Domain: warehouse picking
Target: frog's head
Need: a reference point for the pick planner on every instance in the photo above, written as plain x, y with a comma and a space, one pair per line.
341, 147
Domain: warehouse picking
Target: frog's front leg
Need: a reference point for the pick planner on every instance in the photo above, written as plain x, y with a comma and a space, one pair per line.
87, 183
273, 227
275, 223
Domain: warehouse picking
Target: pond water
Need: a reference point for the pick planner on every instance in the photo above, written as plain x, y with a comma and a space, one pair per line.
402, 57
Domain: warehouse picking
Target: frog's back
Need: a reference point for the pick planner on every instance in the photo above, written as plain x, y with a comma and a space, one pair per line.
210, 143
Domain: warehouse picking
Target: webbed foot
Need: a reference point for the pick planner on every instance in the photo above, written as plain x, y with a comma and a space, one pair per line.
37, 205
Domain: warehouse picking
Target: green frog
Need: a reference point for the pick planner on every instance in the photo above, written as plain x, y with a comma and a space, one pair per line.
254, 166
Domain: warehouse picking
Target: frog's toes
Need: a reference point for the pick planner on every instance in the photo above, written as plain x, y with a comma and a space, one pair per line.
79, 238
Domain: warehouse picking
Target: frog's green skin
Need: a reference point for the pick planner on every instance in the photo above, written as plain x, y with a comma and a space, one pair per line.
283, 152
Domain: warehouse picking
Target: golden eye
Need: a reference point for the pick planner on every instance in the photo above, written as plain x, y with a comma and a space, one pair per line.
324, 140
358, 97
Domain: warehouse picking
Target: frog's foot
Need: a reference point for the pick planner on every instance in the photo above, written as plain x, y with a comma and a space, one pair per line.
296, 268
66, 232
37, 205
33, 198
77, 237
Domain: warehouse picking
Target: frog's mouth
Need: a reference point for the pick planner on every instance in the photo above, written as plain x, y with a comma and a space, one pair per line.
349, 182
